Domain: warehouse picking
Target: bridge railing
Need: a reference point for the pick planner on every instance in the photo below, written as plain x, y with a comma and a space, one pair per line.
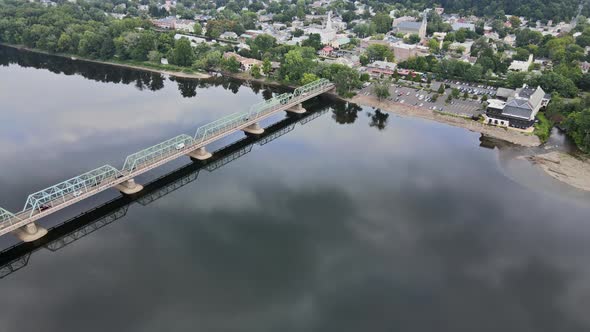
157, 152
69, 189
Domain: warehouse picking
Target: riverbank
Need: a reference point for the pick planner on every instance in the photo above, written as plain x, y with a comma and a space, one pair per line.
135, 66
457, 121
564, 167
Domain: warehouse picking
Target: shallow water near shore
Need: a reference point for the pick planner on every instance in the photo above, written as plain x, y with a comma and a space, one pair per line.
355, 220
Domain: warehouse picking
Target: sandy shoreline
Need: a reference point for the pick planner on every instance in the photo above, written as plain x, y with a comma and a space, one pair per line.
406, 110
559, 165
564, 167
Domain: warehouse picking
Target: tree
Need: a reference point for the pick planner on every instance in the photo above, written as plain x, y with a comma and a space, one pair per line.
381, 90
266, 67
262, 44
298, 33
231, 64
364, 30
314, 41
308, 78
255, 71
294, 65
515, 21
441, 89
155, 56
382, 22
522, 54
197, 29
434, 45
377, 52
64, 43
553, 82
183, 54
413, 39
578, 127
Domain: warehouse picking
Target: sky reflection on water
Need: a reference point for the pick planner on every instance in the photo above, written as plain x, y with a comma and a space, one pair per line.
352, 222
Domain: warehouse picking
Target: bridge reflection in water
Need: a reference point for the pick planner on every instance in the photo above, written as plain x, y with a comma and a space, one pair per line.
17, 257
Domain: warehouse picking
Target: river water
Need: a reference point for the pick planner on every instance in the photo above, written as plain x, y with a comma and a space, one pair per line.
350, 220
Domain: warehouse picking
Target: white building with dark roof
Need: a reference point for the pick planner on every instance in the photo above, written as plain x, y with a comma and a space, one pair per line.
519, 107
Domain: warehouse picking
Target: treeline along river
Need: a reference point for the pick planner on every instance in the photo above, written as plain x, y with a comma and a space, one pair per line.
348, 220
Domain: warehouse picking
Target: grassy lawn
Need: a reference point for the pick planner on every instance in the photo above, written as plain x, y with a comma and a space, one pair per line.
543, 127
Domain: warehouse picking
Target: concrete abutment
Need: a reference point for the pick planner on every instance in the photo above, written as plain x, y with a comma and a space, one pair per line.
30, 232
129, 187
254, 129
200, 154
298, 109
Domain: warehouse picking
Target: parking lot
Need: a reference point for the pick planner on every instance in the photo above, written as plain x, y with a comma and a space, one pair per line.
422, 99
472, 88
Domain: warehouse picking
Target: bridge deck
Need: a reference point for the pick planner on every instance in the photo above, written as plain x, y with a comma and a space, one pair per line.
10, 222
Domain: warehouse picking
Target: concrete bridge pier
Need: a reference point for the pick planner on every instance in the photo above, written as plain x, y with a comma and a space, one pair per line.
129, 187
297, 109
30, 232
254, 129
200, 154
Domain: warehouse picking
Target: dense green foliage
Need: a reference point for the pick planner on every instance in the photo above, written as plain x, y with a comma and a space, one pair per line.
543, 127
578, 126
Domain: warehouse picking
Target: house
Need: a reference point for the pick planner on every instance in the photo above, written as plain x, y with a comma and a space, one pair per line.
185, 25
458, 25
229, 35
523, 66
584, 66
379, 68
245, 63
465, 46
172, 23
165, 23
519, 108
339, 42
326, 51
510, 39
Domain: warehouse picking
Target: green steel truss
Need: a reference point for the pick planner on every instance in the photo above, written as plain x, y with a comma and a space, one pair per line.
70, 188
7, 216
257, 110
78, 185
157, 152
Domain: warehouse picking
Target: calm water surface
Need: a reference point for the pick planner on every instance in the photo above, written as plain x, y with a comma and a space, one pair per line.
354, 221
